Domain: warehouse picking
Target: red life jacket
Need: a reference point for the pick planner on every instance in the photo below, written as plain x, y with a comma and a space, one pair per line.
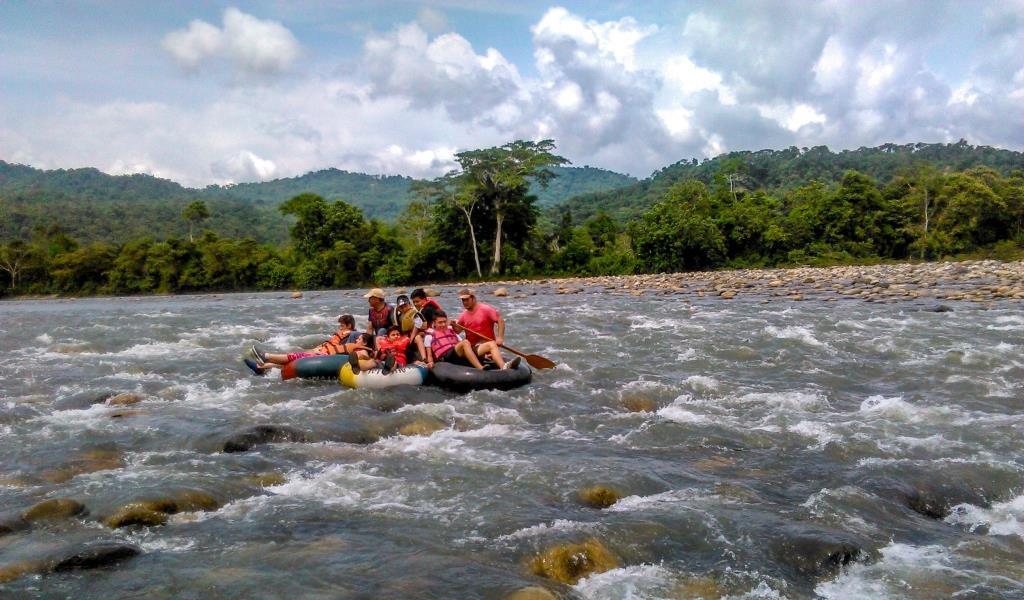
383, 318
443, 342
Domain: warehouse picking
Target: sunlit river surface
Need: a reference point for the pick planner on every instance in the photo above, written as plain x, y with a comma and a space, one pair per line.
772, 424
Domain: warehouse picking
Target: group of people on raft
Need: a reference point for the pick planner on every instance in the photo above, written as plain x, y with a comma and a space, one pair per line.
415, 330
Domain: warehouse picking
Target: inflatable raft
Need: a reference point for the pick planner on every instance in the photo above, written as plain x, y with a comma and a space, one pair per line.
315, 367
376, 379
466, 379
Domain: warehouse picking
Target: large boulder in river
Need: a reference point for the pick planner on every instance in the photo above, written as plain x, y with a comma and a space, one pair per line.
568, 563
932, 498
599, 496
816, 551
96, 555
141, 514
247, 439
55, 508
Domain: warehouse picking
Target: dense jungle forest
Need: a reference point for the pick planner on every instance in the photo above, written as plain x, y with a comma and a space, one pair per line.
516, 210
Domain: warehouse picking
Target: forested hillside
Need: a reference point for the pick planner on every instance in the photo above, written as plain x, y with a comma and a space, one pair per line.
92, 206
788, 169
747, 209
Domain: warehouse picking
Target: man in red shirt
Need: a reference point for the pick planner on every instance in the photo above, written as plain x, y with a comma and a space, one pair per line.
480, 319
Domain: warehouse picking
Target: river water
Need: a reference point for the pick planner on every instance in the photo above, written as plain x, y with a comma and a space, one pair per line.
777, 431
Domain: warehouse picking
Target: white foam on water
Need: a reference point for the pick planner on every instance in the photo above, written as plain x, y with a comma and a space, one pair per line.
794, 332
347, 485
136, 376
701, 383
542, 529
264, 409
315, 319
816, 430
636, 582
678, 414
155, 349
44, 339
896, 408
688, 354
450, 445
664, 500
1004, 518
898, 561
199, 394
788, 400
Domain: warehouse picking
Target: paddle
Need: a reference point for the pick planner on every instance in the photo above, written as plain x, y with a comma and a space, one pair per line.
534, 360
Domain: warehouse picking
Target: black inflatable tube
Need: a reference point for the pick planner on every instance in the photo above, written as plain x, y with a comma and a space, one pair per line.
466, 379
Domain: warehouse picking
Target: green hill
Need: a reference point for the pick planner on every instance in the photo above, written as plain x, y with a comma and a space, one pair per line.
93, 206
789, 169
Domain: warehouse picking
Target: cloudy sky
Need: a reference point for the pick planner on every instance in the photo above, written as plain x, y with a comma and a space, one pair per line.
214, 92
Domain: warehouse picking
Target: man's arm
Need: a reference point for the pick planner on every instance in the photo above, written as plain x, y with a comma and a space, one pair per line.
500, 336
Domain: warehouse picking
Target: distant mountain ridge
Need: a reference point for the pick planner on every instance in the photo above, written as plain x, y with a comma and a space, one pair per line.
791, 168
93, 206
96, 205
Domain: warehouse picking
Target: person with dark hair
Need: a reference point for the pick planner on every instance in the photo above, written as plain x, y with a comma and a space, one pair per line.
362, 356
391, 350
340, 343
426, 308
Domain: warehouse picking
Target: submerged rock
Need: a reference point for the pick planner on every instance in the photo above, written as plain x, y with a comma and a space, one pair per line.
599, 496
531, 593
638, 403
12, 571
84, 400
12, 523
89, 461
95, 556
422, 425
246, 439
56, 508
705, 588
816, 551
266, 479
136, 513
568, 563
124, 399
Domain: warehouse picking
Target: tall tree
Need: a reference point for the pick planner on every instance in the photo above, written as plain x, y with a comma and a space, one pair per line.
454, 190
195, 213
501, 177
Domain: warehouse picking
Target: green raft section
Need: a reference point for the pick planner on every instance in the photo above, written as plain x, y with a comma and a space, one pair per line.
315, 367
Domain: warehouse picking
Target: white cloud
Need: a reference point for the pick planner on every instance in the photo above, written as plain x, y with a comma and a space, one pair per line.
244, 166
620, 93
252, 45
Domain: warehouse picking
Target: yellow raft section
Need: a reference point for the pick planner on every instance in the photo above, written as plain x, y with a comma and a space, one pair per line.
376, 379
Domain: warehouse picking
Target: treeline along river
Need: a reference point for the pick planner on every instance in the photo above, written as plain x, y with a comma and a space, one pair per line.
780, 450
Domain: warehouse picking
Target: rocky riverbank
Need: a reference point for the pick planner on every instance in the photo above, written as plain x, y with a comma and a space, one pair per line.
972, 281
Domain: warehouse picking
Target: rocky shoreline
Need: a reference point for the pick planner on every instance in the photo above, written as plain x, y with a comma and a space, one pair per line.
971, 281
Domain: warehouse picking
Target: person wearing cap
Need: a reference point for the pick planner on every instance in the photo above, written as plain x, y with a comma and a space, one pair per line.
479, 319
382, 314
341, 342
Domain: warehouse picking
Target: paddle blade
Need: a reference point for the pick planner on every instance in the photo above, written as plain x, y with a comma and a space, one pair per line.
539, 362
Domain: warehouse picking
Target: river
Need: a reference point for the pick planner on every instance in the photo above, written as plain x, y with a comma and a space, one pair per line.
780, 441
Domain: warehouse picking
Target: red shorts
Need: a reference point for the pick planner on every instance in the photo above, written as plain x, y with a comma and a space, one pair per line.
298, 355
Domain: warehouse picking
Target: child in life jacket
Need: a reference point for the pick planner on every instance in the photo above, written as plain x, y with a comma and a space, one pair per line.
339, 343
444, 345
391, 349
